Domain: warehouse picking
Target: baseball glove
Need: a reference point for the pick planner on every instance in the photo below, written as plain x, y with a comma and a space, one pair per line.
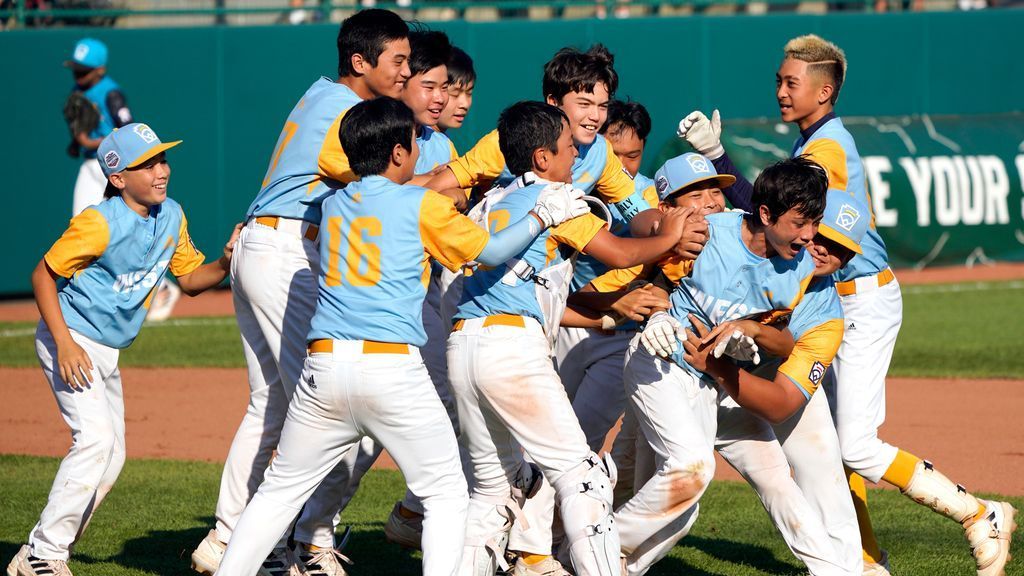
81, 115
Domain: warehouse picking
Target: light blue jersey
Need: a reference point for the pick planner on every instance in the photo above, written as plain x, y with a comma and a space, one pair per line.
308, 163
490, 291
435, 149
376, 240
832, 146
111, 259
97, 94
729, 282
819, 305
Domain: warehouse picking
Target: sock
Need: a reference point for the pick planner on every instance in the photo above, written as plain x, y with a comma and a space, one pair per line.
901, 470
859, 492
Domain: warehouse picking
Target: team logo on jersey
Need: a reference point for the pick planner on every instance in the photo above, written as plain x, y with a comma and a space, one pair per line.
817, 373
847, 217
661, 184
698, 163
146, 133
140, 279
111, 159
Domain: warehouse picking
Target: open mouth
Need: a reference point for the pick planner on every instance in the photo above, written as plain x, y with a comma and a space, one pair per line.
435, 113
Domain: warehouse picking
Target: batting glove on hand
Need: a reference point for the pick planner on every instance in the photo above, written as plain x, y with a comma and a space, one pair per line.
661, 335
559, 202
703, 134
738, 346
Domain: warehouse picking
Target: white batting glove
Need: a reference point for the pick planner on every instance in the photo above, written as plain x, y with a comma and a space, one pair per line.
703, 134
559, 202
738, 346
661, 335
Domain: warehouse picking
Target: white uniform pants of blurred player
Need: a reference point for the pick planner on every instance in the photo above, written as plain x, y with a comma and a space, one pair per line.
856, 386
95, 415
89, 186
509, 396
274, 283
342, 396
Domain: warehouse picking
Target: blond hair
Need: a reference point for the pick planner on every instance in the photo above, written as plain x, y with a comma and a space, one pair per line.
824, 59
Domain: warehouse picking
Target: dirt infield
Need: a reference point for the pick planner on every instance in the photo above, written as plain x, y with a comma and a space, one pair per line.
971, 429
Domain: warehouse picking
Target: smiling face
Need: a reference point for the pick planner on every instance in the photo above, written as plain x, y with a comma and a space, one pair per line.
627, 145
803, 97
705, 198
460, 100
829, 255
388, 77
790, 233
587, 112
146, 184
427, 95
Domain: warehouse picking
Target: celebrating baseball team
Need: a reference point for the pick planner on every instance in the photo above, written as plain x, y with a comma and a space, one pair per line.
488, 319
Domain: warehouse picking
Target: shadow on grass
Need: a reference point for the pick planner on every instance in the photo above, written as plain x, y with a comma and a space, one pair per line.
731, 551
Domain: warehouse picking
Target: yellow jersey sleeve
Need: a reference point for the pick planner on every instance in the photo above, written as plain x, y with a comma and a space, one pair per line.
578, 232
831, 156
447, 235
186, 256
616, 279
650, 194
83, 242
483, 162
812, 355
676, 268
614, 184
332, 161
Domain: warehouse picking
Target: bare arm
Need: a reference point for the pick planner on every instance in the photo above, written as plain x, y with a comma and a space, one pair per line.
776, 342
209, 275
74, 363
618, 252
88, 143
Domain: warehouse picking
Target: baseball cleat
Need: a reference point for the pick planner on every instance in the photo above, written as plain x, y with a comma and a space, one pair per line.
322, 562
25, 564
546, 567
281, 562
406, 532
167, 295
207, 556
990, 537
880, 568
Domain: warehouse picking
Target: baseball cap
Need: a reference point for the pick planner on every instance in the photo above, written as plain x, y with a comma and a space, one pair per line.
89, 53
128, 146
682, 171
845, 221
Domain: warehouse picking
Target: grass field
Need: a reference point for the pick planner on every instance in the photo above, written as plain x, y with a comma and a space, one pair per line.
968, 330
161, 509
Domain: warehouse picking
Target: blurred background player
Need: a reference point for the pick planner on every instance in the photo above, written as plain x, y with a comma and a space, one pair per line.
102, 272
808, 83
461, 83
274, 276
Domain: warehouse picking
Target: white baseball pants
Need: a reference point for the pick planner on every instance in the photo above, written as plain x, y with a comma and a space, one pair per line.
856, 385
95, 415
341, 397
89, 186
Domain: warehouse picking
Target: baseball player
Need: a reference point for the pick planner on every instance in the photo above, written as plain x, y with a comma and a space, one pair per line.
461, 82
276, 266
808, 83
752, 263
364, 374
499, 357
92, 288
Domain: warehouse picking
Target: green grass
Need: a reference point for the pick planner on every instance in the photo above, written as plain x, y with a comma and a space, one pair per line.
950, 330
160, 510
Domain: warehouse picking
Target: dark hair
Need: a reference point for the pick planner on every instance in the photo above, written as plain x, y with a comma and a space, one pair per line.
110, 191
795, 184
367, 32
460, 68
428, 50
574, 71
632, 115
526, 126
371, 129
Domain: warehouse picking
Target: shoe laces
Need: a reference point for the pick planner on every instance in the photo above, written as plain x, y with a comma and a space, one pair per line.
318, 563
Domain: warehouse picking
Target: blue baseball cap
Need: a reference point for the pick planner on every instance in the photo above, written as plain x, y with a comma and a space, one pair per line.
682, 171
88, 53
845, 221
129, 146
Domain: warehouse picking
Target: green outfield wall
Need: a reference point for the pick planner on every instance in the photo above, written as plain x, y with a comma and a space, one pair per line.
933, 99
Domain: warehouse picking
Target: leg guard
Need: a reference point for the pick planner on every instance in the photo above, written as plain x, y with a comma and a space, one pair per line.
585, 497
487, 528
930, 488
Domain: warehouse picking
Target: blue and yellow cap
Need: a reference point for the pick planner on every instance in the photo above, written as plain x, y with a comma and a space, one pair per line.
88, 53
682, 171
128, 146
845, 221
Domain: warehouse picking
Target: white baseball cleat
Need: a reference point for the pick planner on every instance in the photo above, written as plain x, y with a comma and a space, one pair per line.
990, 537
25, 564
322, 562
207, 556
880, 568
406, 532
547, 567
167, 295
281, 562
